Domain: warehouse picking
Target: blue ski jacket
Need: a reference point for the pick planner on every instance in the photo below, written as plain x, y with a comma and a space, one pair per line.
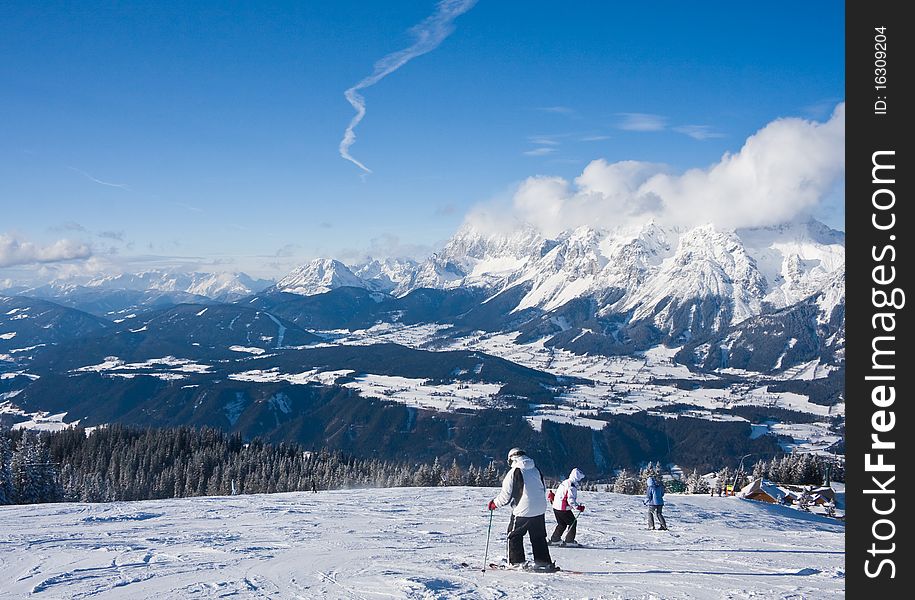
655, 495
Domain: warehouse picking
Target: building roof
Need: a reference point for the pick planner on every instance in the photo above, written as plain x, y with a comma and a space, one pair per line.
760, 485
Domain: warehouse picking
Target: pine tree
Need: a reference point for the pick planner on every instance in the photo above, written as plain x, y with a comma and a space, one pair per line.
491, 476
780, 470
626, 483
6, 476
455, 476
31, 471
695, 484
725, 478
438, 473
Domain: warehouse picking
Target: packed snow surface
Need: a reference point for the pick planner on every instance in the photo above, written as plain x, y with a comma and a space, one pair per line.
167, 367
409, 543
43, 421
419, 393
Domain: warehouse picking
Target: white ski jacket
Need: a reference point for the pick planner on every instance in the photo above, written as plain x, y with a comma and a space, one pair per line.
523, 489
566, 495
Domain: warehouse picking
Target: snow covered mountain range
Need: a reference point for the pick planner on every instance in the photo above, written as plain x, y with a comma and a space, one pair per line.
117, 295
682, 283
598, 337
222, 286
716, 293
775, 266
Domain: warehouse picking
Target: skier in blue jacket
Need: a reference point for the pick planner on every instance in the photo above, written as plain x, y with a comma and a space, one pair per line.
654, 498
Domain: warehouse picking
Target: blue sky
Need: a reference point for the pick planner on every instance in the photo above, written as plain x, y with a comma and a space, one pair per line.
207, 134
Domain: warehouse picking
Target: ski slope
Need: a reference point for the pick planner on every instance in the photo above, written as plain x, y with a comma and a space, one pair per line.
409, 543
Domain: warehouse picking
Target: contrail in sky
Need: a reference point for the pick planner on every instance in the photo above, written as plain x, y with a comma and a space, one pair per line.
429, 34
99, 181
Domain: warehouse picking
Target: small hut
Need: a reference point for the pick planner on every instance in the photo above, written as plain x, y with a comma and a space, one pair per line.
764, 491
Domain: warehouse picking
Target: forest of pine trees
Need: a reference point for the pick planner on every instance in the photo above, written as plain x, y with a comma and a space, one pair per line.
123, 463
799, 469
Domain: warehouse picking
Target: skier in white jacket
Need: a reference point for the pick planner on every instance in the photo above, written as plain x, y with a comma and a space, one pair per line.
564, 499
524, 490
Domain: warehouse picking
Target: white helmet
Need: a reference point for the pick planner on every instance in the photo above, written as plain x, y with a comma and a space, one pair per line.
515, 453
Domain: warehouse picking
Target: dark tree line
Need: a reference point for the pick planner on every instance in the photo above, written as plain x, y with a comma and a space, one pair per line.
123, 463
800, 469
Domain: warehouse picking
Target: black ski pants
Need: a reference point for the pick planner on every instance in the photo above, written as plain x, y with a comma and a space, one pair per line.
564, 518
535, 527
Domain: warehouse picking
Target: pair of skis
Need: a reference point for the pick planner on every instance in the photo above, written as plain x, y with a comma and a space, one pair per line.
564, 545
506, 567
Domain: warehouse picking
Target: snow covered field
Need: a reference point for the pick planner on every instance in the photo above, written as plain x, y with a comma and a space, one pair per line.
409, 543
616, 385
621, 384
646, 381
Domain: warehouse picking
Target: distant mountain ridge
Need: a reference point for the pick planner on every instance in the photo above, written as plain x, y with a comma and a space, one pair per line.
774, 265
225, 286
656, 283
122, 294
588, 290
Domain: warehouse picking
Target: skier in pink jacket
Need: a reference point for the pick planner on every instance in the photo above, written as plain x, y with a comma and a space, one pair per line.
564, 499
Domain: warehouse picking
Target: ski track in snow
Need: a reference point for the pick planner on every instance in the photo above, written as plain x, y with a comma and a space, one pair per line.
281, 330
409, 543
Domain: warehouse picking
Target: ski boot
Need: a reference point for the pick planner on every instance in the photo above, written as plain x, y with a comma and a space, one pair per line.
537, 567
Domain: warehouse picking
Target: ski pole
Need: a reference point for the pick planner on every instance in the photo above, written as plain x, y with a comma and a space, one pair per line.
578, 516
488, 532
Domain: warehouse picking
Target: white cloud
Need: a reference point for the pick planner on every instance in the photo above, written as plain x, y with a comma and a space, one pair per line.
542, 151
188, 207
117, 236
69, 226
385, 245
783, 171
641, 122
16, 251
602, 194
288, 250
650, 122
428, 34
544, 140
82, 269
698, 132
559, 110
